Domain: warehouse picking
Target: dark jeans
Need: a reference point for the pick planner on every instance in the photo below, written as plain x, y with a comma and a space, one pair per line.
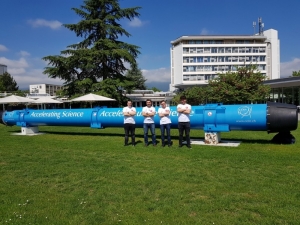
146, 127
184, 127
163, 128
129, 128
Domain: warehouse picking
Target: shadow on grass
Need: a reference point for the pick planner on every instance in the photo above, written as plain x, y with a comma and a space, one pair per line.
173, 137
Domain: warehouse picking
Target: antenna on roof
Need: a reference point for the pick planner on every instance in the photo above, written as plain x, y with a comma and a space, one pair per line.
260, 26
254, 24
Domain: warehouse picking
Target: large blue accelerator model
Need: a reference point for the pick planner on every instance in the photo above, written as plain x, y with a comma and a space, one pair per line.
270, 117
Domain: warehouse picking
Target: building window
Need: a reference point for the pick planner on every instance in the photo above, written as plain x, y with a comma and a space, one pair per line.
199, 59
262, 58
221, 50
192, 50
214, 50
228, 50
199, 50
206, 50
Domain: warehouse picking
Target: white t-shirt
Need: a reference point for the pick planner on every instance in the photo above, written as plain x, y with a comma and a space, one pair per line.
165, 119
129, 119
149, 110
181, 116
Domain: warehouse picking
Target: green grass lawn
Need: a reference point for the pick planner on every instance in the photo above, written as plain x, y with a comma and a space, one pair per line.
74, 175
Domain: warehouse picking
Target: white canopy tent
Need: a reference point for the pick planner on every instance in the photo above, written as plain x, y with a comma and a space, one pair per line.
15, 99
45, 100
92, 98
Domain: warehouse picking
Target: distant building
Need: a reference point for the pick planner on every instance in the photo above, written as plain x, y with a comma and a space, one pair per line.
197, 59
3, 69
139, 97
44, 89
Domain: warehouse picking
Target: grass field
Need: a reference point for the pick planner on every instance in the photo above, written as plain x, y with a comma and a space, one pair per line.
73, 175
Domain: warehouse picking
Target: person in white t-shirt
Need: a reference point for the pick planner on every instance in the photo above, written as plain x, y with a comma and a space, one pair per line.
148, 112
165, 122
129, 122
184, 111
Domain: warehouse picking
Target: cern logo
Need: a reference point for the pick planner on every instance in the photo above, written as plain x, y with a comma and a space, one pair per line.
245, 111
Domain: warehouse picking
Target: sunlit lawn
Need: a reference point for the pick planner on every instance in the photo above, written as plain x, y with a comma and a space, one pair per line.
73, 175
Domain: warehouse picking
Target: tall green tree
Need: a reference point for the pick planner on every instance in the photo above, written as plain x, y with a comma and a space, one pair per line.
296, 73
135, 75
241, 86
8, 83
100, 55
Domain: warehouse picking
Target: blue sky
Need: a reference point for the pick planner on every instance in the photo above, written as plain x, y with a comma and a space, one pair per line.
32, 29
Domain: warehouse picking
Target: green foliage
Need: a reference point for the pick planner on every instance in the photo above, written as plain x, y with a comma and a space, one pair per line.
112, 88
155, 89
195, 95
296, 73
7, 83
135, 75
243, 86
100, 55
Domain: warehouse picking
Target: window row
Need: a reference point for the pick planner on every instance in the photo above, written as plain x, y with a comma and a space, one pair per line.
216, 68
207, 59
201, 77
221, 41
224, 50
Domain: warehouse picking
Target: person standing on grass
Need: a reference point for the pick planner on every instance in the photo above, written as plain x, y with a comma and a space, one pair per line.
148, 112
165, 122
129, 122
184, 111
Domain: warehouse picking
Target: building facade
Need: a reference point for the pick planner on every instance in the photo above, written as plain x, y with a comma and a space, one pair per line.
3, 69
44, 89
197, 59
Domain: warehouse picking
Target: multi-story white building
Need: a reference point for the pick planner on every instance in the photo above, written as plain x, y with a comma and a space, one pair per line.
44, 89
3, 69
197, 59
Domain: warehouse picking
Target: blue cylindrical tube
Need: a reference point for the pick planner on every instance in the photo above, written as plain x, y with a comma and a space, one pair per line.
210, 117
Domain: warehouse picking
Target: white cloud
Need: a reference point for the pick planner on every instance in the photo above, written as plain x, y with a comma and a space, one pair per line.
157, 75
3, 48
287, 68
26, 72
53, 24
24, 53
136, 22
14, 64
204, 31
34, 76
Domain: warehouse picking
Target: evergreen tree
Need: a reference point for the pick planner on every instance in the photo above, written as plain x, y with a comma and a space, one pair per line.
135, 75
7, 83
100, 55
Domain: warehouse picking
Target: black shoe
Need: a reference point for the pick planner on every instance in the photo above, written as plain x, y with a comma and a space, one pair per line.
169, 145
190, 147
163, 145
